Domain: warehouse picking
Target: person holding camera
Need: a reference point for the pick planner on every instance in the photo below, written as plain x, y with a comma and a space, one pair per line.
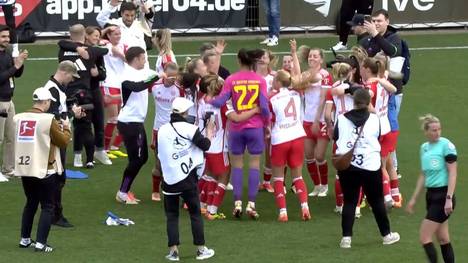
180, 149
39, 138
10, 68
358, 131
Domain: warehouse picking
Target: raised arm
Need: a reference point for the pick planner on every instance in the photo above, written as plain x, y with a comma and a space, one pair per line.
103, 17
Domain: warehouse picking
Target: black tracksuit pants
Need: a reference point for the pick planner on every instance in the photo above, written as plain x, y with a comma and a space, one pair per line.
347, 11
59, 184
83, 136
38, 191
98, 118
351, 180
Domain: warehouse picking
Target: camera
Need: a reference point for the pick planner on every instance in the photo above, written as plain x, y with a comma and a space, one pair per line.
368, 18
207, 117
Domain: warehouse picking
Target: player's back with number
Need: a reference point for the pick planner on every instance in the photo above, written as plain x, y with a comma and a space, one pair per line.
286, 108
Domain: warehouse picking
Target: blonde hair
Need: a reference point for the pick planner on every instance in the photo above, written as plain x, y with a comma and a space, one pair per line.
427, 120
340, 71
383, 64
163, 41
191, 64
374, 65
360, 53
212, 83
77, 30
283, 77
273, 59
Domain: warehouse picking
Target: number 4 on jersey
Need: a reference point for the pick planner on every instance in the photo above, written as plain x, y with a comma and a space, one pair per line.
290, 109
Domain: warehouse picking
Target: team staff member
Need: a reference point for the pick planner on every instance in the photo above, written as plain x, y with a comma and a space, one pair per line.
136, 81
56, 85
439, 175
38, 139
180, 149
9, 69
364, 170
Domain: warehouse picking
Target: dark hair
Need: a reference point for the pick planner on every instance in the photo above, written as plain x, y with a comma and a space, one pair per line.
127, 6
380, 12
249, 57
189, 81
361, 98
133, 53
4, 28
354, 63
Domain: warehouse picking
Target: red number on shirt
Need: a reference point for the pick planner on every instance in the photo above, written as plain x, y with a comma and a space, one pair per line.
290, 109
383, 94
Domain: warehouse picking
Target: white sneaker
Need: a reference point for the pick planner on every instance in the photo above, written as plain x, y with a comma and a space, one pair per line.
77, 162
3, 178
266, 41
173, 256
339, 46
273, 42
358, 214
316, 190
102, 157
323, 191
229, 187
391, 238
345, 242
338, 209
205, 253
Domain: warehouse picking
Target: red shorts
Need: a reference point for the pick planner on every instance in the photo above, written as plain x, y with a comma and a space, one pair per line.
290, 153
322, 132
111, 95
154, 140
388, 143
217, 163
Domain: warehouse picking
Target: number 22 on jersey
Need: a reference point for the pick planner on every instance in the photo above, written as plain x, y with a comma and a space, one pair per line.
245, 90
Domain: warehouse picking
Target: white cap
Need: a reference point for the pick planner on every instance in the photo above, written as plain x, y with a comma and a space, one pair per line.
42, 94
181, 105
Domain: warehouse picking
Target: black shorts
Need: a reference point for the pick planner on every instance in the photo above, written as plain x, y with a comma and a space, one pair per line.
435, 203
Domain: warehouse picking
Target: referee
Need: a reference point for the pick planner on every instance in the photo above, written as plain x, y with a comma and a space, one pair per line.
38, 139
439, 175
180, 149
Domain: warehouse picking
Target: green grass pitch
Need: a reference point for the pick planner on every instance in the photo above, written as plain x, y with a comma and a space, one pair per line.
437, 86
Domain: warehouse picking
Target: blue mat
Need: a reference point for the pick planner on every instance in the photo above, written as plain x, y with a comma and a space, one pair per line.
76, 175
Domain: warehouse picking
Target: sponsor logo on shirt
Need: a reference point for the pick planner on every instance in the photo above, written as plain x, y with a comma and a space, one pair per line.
27, 131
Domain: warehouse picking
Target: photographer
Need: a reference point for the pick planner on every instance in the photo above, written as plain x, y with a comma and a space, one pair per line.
10, 68
180, 149
39, 165
56, 85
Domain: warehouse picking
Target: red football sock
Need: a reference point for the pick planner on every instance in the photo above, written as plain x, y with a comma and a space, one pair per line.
266, 174
386, 184
301, 189
313, 171
338, 192
117, 140
361, 197
201, 189
219, 194
156, 183
108, 132
323, 170
279, 193
210, 189
395, 190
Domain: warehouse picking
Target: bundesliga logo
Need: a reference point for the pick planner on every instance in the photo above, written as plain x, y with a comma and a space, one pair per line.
27, 130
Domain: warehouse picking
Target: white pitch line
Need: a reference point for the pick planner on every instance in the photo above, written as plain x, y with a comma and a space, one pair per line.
280, 53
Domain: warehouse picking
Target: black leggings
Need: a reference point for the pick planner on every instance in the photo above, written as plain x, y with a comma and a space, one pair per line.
351, 181
38, 191
171, 207
98, 119
83, 136
134, 137
347, 11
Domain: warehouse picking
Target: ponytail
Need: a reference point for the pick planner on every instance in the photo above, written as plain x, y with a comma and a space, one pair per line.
249, 57
427, 120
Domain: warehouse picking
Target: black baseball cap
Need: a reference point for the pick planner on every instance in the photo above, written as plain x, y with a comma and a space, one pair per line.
358, 20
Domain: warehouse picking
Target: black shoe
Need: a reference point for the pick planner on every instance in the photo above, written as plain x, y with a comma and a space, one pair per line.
45, 249
31, 244
62, 222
